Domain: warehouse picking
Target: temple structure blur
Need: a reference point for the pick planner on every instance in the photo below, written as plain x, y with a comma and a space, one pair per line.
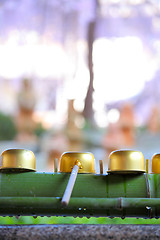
75, 66
26, 100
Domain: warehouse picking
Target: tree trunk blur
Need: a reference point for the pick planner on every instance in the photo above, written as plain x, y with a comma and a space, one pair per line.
88, 108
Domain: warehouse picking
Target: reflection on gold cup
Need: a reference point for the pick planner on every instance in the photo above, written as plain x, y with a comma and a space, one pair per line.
86, 162
18, 160
156, 163
126, 161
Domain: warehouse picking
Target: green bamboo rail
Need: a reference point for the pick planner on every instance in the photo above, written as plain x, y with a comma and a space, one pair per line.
40, 194
77, 206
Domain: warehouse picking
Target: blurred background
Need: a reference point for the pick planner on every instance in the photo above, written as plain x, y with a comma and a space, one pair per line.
79, 76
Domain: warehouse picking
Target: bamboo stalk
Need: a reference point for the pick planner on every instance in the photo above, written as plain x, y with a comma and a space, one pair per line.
101, 166
140, 202
48, 206
55, 165
90, 203
54, 203
147, 165
36, 184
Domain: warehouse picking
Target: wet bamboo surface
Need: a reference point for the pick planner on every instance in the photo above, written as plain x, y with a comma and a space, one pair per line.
40, 194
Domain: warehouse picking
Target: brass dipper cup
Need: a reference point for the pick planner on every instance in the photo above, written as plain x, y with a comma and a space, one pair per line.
126, 161
155, 163
18, 160
75, 162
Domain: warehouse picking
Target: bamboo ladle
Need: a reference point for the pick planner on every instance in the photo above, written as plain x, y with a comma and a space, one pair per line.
74, 163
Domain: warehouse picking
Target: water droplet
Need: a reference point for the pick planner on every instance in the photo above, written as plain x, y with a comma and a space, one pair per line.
148, 207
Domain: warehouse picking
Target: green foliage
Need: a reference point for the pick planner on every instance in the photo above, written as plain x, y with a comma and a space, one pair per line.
7, 127
39, 130
141, 129
77, 220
